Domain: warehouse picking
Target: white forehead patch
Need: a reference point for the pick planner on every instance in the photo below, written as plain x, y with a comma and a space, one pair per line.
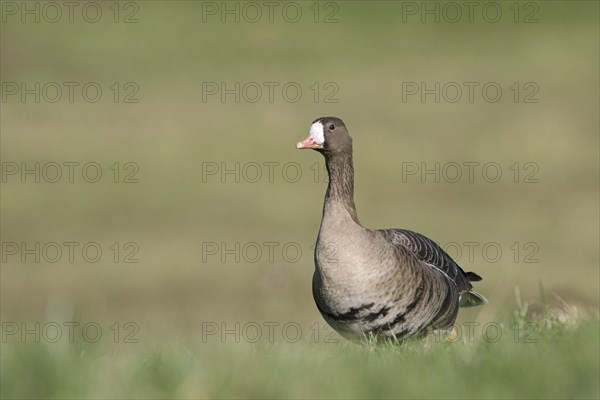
316, 133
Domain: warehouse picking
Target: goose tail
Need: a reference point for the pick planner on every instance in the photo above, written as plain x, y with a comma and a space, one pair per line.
471, 299
473, 277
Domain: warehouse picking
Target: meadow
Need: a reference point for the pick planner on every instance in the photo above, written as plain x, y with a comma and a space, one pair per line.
157, 222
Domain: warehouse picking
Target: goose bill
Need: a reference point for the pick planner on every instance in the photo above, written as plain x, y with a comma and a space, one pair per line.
308, 143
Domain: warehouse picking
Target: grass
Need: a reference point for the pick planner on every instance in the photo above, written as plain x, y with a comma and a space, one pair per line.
540, 359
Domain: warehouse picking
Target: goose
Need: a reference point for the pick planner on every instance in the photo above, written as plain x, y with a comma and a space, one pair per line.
389, 284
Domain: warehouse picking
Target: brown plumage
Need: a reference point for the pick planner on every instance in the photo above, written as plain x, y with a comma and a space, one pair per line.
390, 283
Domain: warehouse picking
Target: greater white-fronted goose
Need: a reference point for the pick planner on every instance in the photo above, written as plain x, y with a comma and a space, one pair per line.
389, 283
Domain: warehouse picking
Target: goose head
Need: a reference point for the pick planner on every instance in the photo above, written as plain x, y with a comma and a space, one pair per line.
327, 135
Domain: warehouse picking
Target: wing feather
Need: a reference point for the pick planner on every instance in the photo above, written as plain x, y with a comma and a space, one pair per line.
429, 252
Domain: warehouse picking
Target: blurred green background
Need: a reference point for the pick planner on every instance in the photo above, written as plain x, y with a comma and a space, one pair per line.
173, 135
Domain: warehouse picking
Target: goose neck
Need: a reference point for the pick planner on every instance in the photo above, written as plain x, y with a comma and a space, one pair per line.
340, 190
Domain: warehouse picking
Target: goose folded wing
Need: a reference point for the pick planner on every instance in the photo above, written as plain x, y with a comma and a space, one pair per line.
430, 253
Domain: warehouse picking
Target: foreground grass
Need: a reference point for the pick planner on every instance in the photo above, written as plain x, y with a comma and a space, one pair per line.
559, 361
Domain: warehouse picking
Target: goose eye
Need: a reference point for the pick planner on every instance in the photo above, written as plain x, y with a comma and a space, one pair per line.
331, 127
